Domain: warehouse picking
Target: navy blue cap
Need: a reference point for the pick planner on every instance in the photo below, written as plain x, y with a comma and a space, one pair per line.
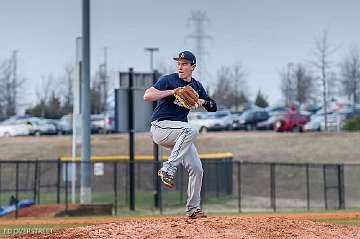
186, 55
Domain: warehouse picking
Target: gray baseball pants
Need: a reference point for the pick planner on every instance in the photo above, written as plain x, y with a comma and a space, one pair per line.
179, 137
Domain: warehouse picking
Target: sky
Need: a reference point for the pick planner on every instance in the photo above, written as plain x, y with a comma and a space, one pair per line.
262, 35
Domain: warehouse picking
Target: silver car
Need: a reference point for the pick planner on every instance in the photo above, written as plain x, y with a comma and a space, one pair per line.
211, 121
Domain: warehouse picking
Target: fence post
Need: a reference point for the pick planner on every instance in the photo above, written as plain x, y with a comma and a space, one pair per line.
157, 158
239, 186
127, 184
38, 183
66, 186
181, 184
160, 191
58, 183
325, 186
131, 130
203, 187
35, 180
0, 184
115, 188
272, 187
229, 180
341, 186
217, 176
17, 190
307, 187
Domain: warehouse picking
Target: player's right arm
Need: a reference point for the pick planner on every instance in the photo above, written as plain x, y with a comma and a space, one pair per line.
153, 94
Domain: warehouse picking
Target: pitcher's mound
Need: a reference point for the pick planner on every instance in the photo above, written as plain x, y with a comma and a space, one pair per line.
211, 227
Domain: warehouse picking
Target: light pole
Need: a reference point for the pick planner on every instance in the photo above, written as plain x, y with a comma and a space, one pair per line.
85, 189
151, 50
156, 149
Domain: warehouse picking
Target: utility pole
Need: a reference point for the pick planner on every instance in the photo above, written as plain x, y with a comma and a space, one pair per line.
156, 148
85, 190
198, 18
76, 130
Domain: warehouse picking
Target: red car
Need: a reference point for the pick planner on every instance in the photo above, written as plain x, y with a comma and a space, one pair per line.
292, 121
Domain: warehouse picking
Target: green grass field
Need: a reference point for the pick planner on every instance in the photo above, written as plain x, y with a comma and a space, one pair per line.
351, 222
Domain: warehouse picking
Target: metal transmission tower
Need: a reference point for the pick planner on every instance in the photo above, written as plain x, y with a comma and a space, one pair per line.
198, 18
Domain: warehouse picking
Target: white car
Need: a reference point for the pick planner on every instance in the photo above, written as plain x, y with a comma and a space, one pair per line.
14, 130
102, 123
314, 124
205, 121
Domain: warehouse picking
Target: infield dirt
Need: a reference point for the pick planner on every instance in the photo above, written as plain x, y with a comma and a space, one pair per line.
242, 226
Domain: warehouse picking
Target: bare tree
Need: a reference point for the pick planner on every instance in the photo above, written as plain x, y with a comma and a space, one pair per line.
350, 75
241, 91
224, 90
322, 64
287, 85
96, 92
69, 70
43, 91
303, 84
10, 85
5, 88
231, 87
104, 83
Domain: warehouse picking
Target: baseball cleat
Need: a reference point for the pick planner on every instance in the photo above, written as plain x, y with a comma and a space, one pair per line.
167, 179
198, 213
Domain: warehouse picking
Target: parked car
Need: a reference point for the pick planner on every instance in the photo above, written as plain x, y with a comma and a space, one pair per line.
102, 123
37, 126
56, 124
276, 110
65, 124
269, 123
14, 130
312, 108
314, 124
250, 118
211, 121
236, 119
292, 121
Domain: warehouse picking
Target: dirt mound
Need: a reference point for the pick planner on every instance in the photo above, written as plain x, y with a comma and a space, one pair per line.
211, 227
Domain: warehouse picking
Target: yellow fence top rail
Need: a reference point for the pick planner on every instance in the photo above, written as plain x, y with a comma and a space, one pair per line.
124, 157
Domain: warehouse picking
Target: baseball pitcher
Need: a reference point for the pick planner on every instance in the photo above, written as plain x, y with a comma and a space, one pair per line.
177, 94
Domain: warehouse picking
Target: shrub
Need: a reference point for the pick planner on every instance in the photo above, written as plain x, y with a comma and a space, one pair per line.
352, 124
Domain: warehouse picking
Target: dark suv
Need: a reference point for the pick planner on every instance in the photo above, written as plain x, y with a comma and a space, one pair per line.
250, 118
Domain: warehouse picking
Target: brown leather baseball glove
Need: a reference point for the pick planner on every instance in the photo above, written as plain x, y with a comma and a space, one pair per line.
187, 96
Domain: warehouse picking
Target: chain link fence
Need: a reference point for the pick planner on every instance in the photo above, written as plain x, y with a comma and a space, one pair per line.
228, 185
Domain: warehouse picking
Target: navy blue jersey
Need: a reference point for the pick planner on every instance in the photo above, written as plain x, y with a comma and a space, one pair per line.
167, 108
